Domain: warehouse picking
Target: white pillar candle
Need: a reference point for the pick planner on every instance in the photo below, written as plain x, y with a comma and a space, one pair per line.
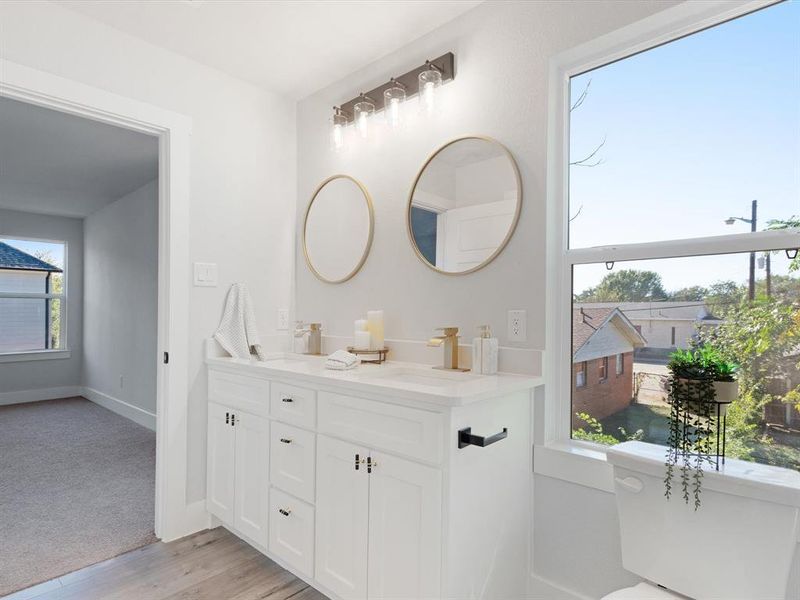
375, 328
361, 340
361, 325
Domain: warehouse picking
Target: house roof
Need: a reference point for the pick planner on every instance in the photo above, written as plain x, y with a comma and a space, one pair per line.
588, 321
13, 258
689, 310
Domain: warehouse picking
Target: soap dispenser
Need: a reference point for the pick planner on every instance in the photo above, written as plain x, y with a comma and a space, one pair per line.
484, 352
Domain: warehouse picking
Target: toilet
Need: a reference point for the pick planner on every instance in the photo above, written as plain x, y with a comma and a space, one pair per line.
739, 545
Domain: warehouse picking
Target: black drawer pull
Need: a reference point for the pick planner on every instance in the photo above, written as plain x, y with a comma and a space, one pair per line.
465, 438
286, 440
227, 418
286, 400
284, 512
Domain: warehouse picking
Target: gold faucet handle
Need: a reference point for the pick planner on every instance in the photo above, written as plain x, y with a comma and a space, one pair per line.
448, 331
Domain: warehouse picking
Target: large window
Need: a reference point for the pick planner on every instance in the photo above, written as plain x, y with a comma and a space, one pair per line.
32, 295
682, 220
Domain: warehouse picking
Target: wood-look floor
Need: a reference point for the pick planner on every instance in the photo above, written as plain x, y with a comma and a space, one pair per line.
210, 565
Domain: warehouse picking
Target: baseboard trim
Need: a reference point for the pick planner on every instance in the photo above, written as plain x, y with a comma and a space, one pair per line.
544, 589
122, 408
18, 397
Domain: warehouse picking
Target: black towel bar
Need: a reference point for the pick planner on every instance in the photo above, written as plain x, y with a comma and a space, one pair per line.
465, 438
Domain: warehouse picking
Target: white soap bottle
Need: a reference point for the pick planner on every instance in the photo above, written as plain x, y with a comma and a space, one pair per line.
484, 352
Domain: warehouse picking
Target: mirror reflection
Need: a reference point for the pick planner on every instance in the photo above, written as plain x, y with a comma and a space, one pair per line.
337, 234
464, 205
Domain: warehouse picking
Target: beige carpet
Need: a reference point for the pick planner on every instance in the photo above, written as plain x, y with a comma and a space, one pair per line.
77, 486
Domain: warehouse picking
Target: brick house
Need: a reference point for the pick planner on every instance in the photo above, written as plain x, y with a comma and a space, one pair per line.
24, 322
603, 340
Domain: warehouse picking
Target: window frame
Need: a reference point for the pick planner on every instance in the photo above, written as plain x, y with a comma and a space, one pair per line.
602, 371
620, 364
582, 369
557, 454
63, 351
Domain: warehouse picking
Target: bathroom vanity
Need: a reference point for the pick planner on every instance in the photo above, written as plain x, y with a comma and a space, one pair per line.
390, 481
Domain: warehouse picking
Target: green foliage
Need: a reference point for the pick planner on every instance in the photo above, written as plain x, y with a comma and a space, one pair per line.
761, 337
593, 432
703, 362
792, 222
695, 293
627, 285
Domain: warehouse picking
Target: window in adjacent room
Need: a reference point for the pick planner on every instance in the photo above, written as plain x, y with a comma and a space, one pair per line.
32, 295
580, 375
683, 213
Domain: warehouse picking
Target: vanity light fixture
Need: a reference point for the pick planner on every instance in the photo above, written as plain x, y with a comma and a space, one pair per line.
362, 111
430, 80
393, 99
338, 123
424, 80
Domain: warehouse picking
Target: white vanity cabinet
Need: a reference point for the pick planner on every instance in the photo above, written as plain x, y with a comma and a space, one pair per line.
363, 489
237, 474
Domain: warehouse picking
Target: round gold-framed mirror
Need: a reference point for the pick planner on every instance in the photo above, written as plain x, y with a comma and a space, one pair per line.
464, 205
338, 229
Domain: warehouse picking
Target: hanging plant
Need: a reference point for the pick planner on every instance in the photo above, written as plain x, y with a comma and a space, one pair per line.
700, 379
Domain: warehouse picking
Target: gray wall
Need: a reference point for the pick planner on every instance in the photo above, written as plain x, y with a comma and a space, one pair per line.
121, 298
39, 375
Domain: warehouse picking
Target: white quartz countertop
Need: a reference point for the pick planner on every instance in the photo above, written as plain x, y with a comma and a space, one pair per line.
408, 381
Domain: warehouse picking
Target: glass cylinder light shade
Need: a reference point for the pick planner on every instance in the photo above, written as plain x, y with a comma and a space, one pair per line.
362, 111
338, 123
393, 99
429, 83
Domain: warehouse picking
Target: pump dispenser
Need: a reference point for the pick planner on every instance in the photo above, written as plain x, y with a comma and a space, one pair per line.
484, 352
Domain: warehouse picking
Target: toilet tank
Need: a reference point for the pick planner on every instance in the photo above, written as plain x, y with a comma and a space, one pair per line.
739, 544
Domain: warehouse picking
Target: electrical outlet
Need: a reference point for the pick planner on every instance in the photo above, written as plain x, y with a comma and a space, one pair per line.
283, 319
517, 326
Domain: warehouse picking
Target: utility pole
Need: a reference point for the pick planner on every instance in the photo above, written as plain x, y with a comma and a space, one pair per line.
753, 220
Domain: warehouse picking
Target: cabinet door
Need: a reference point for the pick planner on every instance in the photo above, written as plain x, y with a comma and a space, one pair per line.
252, 476
342, 519
405, 529
220, 463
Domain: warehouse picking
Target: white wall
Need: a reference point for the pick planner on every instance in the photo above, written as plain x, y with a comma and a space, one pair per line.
121, 299
502, 52
243, 164
61, 372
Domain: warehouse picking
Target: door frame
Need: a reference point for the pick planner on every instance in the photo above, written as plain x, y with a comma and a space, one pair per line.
174, 517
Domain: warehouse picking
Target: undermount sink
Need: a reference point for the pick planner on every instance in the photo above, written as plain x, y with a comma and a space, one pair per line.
425, 377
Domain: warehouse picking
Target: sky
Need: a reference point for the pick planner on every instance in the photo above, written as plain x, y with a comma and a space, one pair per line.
695, 130
32, 247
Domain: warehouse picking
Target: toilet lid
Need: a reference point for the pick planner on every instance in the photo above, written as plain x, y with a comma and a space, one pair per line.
644, 591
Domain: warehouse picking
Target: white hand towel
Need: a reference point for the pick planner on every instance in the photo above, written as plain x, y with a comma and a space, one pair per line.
237, 332
342, 361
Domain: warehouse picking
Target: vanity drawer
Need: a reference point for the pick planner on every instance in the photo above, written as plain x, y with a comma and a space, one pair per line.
291, 531
292, 459
408, 431
294, 404
249, 394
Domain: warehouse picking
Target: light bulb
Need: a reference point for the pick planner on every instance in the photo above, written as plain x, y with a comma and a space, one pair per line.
392, 100
429, 81
338, 123
362, 111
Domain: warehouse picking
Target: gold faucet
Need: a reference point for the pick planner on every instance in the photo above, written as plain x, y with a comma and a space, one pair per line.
450, 342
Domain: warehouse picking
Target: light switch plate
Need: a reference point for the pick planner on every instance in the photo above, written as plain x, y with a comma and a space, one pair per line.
517, 326
205, 274
283, 319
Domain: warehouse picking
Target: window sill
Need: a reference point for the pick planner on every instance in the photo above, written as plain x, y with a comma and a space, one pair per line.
576, 462
34, 355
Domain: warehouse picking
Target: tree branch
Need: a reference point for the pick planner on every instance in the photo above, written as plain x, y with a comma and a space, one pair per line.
588, 161
582, 97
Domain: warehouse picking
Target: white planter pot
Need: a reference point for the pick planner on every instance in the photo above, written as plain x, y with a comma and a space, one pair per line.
725, 393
